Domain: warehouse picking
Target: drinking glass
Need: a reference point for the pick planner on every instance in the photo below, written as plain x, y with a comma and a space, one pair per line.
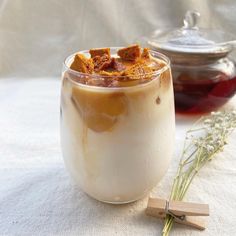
117, 142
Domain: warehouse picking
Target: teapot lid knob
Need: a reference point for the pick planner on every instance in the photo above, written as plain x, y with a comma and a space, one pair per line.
191, 20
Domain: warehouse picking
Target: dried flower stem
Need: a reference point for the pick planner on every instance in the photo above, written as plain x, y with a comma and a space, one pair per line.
206, 138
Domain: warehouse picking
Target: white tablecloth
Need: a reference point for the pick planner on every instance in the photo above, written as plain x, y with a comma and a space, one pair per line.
37, 196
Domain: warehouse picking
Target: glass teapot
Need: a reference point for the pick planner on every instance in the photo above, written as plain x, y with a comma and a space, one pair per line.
204, 73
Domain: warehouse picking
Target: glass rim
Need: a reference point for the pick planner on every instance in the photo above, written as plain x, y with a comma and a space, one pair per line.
154, 73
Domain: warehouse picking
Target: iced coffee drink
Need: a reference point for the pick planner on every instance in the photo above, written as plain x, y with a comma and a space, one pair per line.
117, 121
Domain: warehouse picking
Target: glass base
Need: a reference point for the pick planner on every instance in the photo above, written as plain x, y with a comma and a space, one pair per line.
121, 202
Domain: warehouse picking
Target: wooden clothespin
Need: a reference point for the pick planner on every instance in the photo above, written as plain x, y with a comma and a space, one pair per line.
183, 212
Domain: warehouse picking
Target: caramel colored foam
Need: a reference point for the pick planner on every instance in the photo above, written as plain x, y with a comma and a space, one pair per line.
100, 111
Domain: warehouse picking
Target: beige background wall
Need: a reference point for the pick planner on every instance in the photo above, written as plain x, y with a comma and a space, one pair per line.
36, 35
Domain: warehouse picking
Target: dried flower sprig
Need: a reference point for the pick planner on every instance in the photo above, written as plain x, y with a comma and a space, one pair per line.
206, 138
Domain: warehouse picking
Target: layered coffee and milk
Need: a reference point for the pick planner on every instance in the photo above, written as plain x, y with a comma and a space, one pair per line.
117, 121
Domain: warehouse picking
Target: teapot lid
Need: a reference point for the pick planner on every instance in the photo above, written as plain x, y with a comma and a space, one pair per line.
190, 39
